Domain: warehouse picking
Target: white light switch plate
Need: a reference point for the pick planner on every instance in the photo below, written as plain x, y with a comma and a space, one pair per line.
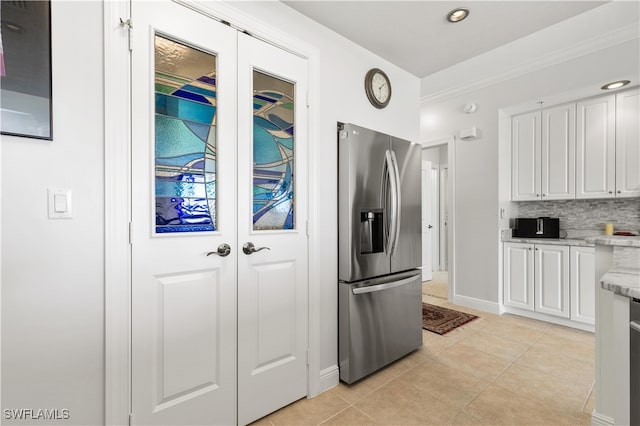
59, 203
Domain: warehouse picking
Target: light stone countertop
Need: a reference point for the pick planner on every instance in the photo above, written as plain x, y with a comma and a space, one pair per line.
624, 284
554, 241
614, 240
624, 276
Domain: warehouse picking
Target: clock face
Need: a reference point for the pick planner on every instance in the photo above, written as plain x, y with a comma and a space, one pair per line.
380, 87
377, 88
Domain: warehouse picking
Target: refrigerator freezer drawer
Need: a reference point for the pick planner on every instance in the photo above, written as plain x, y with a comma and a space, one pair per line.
380, 320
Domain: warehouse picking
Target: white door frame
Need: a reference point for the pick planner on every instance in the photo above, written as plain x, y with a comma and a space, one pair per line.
117, 115
449, 142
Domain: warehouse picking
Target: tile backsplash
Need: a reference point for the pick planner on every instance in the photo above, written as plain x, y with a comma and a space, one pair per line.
580, 218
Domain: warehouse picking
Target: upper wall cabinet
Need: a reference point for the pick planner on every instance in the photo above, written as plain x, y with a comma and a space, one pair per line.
595, 165
608, 146
590, 149
525, 156
628, 144
543, 154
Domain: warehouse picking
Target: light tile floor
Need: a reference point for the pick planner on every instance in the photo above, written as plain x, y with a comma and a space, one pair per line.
495, 370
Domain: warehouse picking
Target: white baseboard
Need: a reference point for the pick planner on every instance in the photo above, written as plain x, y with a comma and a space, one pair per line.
601, 420
550, 318
329, 378
479, 304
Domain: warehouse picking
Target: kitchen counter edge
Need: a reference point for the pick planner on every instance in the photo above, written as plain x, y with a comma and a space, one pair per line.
553, 241
614, 240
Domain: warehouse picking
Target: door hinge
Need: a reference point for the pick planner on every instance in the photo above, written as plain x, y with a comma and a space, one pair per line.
128, 24
308, 103
306, 226
130, 233
308, 356
130, 419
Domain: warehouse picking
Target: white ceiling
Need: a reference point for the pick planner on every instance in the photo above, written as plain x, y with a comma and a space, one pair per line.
416, 36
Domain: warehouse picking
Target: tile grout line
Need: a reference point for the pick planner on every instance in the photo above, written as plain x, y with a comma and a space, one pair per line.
495, 379
586, 400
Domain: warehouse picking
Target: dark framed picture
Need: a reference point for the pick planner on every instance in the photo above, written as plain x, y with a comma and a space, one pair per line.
25, 69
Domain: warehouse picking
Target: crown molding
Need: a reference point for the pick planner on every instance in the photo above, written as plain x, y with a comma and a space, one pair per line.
588, 46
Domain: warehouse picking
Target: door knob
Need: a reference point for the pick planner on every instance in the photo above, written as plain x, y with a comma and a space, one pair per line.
429, 226
249, 248
223, 250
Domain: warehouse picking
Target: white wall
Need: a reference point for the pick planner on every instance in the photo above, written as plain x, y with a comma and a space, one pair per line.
477, 162
52, 270
340, 72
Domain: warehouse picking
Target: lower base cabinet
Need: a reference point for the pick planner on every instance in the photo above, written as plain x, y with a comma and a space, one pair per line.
583, 284
551, 279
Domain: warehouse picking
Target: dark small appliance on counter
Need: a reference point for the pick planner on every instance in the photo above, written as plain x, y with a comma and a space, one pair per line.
542, 227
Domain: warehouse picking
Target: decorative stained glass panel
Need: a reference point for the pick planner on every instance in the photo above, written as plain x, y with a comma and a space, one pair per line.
185, 138
273, 153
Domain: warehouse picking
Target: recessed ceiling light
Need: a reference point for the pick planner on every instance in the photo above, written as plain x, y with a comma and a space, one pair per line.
457, 15
615, 85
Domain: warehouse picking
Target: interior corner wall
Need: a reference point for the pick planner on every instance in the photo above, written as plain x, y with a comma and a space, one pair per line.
477, 161
52, 270
340, 97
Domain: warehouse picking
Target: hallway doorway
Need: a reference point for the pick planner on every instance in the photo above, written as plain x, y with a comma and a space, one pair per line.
438, 286
441, 284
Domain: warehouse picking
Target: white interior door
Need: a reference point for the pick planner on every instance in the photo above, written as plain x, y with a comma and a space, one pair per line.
444, 218
272, 214
219, 154
427, 226
435, 217
183, 207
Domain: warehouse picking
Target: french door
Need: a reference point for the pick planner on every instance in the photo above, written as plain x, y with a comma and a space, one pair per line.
219, 208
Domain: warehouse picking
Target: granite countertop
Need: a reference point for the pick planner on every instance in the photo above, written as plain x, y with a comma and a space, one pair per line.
614, 240
624, 284
555, 241
624, 276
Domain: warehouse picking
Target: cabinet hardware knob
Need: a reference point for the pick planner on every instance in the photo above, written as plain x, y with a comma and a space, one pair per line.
537, 195
619, 192
610, 192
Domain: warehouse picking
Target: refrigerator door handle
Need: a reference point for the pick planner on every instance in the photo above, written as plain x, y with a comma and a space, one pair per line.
392, 239
398, 216
381, 287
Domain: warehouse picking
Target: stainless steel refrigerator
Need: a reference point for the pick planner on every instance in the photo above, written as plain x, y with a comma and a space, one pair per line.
379, 247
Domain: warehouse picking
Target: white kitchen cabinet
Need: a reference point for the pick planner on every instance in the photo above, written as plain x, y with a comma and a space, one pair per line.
551, 272
628, 143
543, 154
536, 278
525, 156
583, 284
558, 153
595, 148
518, 275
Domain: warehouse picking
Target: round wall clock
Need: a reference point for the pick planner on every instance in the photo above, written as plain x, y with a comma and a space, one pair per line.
377, 87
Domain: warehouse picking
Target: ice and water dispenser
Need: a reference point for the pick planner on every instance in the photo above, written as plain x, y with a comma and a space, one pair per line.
371, 231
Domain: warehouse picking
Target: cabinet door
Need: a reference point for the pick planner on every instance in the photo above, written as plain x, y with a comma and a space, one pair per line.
518, 275
583, 284
525, 156
552, 279
558, 153
595, 148
628, 144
